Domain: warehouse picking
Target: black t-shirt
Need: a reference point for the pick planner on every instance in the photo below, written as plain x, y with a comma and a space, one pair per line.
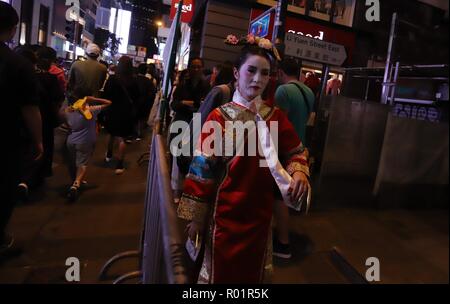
188, 90
18, 88
51, 96
147, 92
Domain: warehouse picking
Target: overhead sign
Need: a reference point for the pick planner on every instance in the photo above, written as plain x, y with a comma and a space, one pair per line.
314, 49
262, 23
187, 10
260, 26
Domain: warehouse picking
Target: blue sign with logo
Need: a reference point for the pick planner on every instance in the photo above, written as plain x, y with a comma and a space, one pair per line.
260, 27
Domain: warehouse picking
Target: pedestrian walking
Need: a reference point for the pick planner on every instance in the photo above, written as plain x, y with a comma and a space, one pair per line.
81, 116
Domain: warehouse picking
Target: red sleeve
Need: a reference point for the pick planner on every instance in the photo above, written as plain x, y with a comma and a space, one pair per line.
200, 186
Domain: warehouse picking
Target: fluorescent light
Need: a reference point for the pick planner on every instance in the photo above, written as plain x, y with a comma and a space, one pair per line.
112, 18
120, 27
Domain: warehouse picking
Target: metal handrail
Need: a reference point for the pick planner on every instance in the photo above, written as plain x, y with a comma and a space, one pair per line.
163, 248
161, 253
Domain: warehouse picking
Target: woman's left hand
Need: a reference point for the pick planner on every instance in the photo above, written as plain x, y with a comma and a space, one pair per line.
299, 185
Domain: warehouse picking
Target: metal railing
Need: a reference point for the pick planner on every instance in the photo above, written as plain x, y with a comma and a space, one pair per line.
161, 251
163, 248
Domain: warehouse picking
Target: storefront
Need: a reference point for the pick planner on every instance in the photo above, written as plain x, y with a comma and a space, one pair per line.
215, 19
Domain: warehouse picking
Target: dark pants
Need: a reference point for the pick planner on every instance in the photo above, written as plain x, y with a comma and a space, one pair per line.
8, 186
30, 169
48, 139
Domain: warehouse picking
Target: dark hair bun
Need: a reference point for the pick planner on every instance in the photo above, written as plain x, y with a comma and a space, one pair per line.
250, 50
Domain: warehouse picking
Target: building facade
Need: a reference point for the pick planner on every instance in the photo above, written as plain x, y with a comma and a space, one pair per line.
215, 19
36, 21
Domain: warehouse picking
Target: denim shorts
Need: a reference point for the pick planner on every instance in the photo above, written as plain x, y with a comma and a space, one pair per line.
81, 153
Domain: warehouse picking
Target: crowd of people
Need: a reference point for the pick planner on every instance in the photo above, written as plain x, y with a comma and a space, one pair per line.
227, 201
40, 96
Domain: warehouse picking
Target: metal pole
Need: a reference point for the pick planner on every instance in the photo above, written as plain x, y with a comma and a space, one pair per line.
386, 85
397, 65
323, 86
116, 19
164, 105
75, 35
367, 90
279, 30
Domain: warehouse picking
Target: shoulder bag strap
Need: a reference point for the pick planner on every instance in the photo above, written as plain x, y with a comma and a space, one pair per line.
304, 96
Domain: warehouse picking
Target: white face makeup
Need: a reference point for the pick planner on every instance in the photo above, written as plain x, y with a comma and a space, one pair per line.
253, 76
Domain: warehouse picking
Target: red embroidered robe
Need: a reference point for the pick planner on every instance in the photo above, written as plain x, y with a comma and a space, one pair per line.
234, 197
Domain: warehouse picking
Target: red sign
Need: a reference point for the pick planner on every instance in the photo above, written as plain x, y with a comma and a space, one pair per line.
315, 30
187, 10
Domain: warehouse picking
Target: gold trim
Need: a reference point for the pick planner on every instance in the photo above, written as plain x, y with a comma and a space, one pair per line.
192, 210
295, 167
266, 111
205, 181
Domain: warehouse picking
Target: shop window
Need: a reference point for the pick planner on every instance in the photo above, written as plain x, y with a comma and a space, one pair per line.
344, 12
341, 12
43, 25
298, 3
26, 20
320, 9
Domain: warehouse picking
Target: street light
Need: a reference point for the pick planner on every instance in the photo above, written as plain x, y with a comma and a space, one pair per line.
159, 23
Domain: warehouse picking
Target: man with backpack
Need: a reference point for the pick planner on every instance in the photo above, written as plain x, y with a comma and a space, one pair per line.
297, 101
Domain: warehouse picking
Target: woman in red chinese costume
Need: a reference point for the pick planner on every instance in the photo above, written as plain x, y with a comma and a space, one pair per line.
229, 199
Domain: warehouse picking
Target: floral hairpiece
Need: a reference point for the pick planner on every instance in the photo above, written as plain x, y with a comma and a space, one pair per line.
251, 39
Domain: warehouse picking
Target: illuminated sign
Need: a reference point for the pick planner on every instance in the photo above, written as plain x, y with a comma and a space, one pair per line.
320, 36
187, 10
260, 27
121, 27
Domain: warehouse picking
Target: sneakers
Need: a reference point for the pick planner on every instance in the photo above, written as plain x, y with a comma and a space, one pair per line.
6, 244
281, 250
8, 249
22, 192
119, 171
119, 168
108, 157
72, 195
